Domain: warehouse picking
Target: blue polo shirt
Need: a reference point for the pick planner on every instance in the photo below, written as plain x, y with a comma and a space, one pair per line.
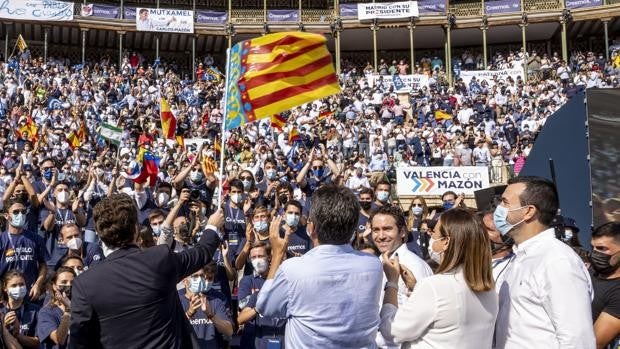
298, 242
48, 322
27, 315
91, 252
208, 337
62, 216
361, 223
23, 252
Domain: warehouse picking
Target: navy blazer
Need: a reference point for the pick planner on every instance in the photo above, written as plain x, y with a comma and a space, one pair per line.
130, 299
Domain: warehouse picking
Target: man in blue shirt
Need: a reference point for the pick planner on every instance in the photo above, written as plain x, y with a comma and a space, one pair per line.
71, 244
23, 250
330, 295
206, 308
298, 240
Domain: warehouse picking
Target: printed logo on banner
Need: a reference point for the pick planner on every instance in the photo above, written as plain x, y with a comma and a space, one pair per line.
583, 3
438, 180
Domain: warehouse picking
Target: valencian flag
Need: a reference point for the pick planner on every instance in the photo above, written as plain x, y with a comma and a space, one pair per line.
272, 73
21, 43
294, 136
278, 121
168, 121
442, 115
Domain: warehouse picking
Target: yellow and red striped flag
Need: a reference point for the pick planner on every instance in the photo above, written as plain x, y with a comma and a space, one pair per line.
168, 121
442, 115
210, 164
181, 141
294, 135
217, 147
28, 131
74, 140
278, 121
324, 114
272, 73
21, 43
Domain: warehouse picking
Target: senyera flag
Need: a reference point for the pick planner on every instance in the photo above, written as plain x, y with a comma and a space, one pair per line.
272, 73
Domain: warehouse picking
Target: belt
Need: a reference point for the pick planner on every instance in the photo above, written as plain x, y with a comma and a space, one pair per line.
266, 331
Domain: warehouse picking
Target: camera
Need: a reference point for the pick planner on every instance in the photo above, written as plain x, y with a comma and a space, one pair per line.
194, 195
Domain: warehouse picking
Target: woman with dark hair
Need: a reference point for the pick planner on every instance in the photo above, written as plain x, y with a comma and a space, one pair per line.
19, 316
55, 316
457, 306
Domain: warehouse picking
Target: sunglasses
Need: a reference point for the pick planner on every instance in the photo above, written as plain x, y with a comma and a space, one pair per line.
246, 178
318, 168
417, 205
16, 212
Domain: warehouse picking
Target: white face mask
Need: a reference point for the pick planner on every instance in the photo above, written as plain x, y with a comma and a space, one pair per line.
74, 244
435, 256
260, 265
63, 197
17, 292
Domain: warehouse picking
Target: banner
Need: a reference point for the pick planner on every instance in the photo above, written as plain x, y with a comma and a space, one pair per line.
102, 11
494, 7
211, 17
490, 75
411, 181
432, 6
37, 10
583, 3
130, 12
282, 15
348, 10
165, 20
387, 10
401, 83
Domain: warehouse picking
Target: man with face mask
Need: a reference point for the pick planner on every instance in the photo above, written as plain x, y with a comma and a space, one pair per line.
605, 265
206, 308
71, 244
382, 194
258, 231
22, 189
257, 330
365, 197
60, 212
200, 179
23, 250
298, 240
537, 309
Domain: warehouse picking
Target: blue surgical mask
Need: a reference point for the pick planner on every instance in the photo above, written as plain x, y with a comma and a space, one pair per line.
247, 184
18, 220
417, 210
199, 285
48, 174
195, 176
501, 221
261, 226
383, 196
271, 174
156, 230
292, 220
448, 205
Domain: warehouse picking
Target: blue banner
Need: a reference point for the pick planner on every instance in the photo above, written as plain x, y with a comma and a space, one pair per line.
348, 10
492, 7
103, 11
432, 6
130, 13
583, 3
212, 17
282, 16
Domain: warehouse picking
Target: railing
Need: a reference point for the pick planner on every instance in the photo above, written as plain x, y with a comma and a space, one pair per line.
316, 16
542, 5
470, 8
247, 16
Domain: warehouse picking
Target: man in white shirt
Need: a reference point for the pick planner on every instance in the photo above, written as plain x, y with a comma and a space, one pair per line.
389, 233
544, 298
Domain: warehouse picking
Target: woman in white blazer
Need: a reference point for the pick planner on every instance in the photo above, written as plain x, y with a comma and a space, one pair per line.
456, 307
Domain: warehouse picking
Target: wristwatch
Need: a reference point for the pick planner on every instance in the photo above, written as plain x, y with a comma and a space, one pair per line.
390, 284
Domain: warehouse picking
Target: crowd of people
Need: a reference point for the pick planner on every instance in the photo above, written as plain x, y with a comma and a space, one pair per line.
299, 242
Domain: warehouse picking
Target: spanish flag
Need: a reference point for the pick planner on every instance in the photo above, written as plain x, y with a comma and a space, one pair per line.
294, 136
21, 43
275, 72
181, 141
442, 115
324, 114
277, 121
74, 140
28, 131
168, 121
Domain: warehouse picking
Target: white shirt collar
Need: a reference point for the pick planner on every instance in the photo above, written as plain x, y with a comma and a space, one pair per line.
534, 241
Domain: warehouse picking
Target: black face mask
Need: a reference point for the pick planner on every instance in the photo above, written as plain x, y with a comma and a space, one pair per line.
600, 263
66, 289
365, 205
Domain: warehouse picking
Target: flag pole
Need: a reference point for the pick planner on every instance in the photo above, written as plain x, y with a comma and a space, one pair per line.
224, 116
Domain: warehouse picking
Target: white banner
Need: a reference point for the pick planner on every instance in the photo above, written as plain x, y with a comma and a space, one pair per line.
409, 82
164, 20
387, 10
490, 75
37, 10
411, 181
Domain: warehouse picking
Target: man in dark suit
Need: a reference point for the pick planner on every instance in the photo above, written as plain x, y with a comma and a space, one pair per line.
130, 300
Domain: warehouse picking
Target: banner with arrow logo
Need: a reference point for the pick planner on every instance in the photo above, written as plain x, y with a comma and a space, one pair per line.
411, 181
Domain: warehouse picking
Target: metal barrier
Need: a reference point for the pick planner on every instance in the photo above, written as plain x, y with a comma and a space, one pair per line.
500, 174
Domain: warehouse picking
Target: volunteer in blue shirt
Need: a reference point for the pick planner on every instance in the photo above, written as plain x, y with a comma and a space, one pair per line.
62, 211
206, 308
365, 197
258, 331
19, 315
319, 176
298, 240
22, 250
21, 188
258, 231
55, 316
71, 243
235, 211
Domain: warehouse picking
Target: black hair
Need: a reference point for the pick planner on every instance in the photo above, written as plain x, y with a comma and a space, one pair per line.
293, 203
610, 229
540, 193
334, 214
393, 211
236, 183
